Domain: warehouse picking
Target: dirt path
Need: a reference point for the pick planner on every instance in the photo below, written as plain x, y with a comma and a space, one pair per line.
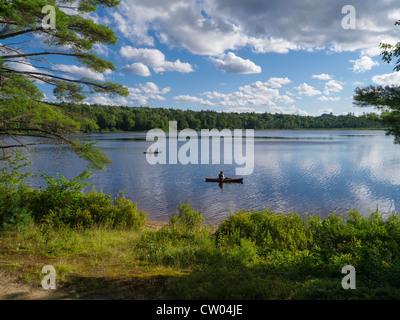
11, 288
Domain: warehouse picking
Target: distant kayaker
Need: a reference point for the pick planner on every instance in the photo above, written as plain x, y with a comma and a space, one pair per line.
221, 176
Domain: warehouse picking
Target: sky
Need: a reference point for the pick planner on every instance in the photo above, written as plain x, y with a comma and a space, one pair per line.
302, 57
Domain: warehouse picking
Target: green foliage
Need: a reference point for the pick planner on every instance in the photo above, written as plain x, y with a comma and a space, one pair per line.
14, 212
315, 246
268, 230
87, 151
62, 203
65, 203
186, 219
122, 118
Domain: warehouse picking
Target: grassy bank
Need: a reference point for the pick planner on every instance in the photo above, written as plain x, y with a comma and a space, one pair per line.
251, 255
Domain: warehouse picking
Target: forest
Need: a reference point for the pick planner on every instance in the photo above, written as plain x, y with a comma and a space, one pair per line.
100, 118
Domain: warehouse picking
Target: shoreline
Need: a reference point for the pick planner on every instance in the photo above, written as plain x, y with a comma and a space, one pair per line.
275, 129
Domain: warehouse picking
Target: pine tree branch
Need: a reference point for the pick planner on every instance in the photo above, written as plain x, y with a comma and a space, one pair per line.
25, 55
19, 33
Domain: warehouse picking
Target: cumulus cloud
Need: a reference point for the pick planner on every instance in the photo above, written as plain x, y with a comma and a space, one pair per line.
241, 110
363, 64
332, 86
289, 110
306, 90
276, 45
101, 49
22, 65
231, 63
101, 99
137, 68
324, 98
214, 27
255, 94
285, 99
322, 76
387, 79
155, 59
277, 82
72, 71
192, 99
139, 95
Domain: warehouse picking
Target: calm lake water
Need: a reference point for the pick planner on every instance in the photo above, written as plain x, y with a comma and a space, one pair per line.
307, 172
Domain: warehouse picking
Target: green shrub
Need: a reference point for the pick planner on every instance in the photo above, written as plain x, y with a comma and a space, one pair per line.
126, 214
186, 219
62, 203
269, 231
14, 194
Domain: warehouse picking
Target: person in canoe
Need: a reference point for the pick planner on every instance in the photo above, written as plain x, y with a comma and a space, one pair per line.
221, 176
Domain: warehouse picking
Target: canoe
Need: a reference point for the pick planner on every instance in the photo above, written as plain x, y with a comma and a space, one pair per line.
153, 152
226, 180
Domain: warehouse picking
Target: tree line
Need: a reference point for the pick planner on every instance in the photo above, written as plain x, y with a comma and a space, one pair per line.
101, 118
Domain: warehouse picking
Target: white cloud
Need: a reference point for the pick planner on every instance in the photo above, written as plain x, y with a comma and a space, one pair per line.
192, 99
241, 110
363, 64
101, 49
255, 94
306, 90
387, 79
231, 63
82, 72
266, 45
277, 82
22, 66
332, 86
322, 76
324, 98
139, 95
289, 110
137, 19
285, 99
214, 27
137, 68
147, 91
101, 99
154, 58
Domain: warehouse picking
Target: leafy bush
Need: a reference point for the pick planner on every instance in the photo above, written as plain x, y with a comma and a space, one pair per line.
305, 247
186, 219
14, 212
268, 230
62, 202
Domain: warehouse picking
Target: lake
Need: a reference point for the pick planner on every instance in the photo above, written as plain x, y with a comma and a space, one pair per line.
302, 171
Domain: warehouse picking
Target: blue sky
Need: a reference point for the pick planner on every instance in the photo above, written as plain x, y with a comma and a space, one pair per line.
284, 56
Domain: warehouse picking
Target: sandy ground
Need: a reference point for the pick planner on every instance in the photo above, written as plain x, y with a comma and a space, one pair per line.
12, 288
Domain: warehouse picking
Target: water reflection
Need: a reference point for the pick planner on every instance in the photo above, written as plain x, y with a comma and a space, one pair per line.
315, 172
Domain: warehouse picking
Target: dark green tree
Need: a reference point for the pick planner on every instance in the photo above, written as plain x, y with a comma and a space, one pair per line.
71, 36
